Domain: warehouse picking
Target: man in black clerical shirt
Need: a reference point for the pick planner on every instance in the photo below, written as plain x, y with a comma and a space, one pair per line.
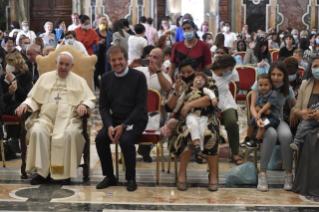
33, 51
123, 108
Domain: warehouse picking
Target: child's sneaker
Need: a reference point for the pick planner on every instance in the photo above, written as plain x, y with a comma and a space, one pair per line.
245, 141
295, 146
252, 143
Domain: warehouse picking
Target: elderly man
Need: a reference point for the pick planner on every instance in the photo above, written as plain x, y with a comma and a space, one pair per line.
156, 79
76, 22
33, 51
57, 102
123, 108
25, 31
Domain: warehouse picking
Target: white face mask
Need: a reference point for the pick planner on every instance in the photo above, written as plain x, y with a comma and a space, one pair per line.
10, 68
87, 27
210, 42
281, 36
226, 28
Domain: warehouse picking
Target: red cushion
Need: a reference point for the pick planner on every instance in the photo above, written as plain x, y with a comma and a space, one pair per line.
148, 138
7, 118
241, 97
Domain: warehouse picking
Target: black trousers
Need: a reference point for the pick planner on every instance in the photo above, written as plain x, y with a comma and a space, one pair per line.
127, 143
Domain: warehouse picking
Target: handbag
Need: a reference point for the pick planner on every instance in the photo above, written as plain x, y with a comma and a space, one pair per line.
154, 119
244, 174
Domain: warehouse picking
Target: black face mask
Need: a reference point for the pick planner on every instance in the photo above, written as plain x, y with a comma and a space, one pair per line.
189, 78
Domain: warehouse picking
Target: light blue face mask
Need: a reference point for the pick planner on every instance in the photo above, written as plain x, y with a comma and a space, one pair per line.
188, 35
226, 74
278, 86
295, 37
61, 28
292, 78
317, 41
70, 41
168, 43
313, 32
315, 73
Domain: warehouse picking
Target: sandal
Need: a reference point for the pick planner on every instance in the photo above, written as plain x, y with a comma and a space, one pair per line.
237, 163
199, 159
197, 148
204, 158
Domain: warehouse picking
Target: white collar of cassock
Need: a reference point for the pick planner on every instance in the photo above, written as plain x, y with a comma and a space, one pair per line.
58, 77
122, 74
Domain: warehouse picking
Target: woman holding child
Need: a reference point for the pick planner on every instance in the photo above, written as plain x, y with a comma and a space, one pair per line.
181, 142
280, 81
307, 110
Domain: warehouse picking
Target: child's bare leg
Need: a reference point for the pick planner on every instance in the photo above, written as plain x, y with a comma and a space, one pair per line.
260, 132
250, 131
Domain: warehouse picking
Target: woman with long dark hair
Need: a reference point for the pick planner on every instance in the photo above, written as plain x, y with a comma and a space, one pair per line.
304, 45
219, 42
258, 56
288, 49
120, 36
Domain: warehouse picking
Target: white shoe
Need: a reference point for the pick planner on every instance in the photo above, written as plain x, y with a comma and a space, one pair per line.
288, 182
262, 182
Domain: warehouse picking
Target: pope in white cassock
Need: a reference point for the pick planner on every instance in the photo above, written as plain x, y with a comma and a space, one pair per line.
57, 102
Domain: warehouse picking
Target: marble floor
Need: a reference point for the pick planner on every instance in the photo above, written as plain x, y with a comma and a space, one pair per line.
18, 195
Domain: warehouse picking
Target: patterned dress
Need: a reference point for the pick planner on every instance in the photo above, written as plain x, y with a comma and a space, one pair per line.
181, 141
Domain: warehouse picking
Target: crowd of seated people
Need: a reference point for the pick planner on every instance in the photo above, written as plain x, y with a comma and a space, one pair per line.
133, 59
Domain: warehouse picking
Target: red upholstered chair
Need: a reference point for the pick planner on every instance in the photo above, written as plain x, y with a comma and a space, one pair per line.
242, 54
274, 55
148, 138
247, 77
272, 50
302, 69
13, 120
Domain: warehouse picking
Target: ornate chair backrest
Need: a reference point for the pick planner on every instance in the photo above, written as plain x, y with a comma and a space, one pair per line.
84, 66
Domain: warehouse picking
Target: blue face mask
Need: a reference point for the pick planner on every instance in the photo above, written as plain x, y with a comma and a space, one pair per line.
278, 86
295, 37
188, 35
69, 41
226, 74
317, 41
315, 73
313, 32
61, 28
292, 78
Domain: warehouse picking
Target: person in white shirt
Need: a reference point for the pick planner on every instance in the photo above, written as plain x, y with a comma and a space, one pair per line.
136, 43
76, 22
203, 29
156, 79
230, 38
25, 31
70, 39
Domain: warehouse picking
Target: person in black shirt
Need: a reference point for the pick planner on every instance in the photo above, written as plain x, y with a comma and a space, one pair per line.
123, 108
24, 42
288, 50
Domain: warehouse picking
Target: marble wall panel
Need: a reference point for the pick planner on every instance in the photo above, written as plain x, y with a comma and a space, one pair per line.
116, 9
293, 10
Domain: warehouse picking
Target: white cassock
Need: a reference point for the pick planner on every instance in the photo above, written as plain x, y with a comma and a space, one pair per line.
55, 129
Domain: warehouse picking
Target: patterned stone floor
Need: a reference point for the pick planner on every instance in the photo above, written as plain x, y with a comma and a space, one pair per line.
19, 195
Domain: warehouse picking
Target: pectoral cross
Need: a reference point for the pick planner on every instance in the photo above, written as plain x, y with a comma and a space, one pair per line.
57, 99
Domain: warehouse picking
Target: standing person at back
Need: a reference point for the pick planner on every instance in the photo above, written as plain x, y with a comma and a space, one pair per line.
120, 36
127, 26
230, 38
150, 32
136, 43
95, 24
26, 32
76, 22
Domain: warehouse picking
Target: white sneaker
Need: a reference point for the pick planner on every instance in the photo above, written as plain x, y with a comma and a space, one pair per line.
262, 182
288, 182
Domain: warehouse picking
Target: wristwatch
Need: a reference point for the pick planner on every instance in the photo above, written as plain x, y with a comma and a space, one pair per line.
175, 94
124, 127
157, 72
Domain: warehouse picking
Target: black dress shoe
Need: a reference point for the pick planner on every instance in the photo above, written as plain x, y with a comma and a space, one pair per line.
38, 179
108, 181
131, 185
65, 181
147, 159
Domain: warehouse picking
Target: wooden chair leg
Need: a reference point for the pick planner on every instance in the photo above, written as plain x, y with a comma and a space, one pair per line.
123, 161
169, 162
23, 147
157, 162
117, 160
162, 155
175, 167
86, 153
2, 153
246, 155
255, 160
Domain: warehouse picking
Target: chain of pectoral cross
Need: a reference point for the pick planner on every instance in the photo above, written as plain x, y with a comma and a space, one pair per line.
58, 98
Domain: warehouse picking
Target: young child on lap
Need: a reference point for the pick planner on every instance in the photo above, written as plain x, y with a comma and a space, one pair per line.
267, 109
196, 120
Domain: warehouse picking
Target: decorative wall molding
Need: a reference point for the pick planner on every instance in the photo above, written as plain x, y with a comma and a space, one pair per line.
279, 18
245, 8
129, 15
8, 16
267, 14
140, 9
306, 17
256, 2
